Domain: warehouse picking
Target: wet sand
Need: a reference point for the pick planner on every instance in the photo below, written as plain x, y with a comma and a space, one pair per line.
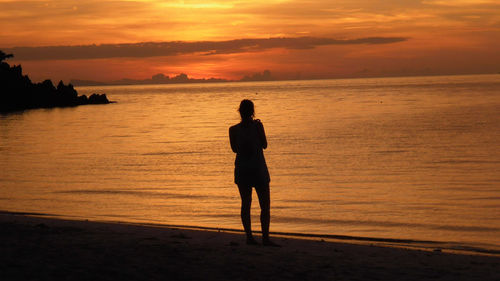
43, 248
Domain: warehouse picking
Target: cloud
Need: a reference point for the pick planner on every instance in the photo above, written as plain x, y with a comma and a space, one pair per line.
154, 49
458, 3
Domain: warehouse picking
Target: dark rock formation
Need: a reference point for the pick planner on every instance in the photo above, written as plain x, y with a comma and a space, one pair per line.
17, 92
98, 99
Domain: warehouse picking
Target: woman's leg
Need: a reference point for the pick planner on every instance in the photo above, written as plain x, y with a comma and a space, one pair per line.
265, 213
265, 209
246, 203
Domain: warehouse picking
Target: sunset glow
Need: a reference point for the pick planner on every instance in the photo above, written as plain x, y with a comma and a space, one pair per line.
424, 37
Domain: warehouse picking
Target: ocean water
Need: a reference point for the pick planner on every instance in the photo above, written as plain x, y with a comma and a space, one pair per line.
405, 158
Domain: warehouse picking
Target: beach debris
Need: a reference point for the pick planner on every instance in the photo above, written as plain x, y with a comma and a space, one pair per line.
180, 235
150, 238
41, 225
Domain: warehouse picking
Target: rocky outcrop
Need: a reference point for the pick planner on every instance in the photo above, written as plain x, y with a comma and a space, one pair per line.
17, 92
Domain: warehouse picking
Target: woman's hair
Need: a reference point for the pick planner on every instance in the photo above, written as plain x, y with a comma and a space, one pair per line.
246, 109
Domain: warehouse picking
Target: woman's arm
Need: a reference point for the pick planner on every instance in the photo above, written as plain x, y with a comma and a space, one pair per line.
232, 139
262, 134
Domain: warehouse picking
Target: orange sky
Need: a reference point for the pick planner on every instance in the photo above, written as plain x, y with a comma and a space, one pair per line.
421, 37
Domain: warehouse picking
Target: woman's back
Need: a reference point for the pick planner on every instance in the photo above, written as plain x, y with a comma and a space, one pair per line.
247, 141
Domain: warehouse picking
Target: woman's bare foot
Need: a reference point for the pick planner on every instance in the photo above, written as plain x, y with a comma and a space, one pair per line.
251, 241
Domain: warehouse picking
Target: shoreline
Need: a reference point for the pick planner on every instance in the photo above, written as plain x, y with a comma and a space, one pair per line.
39, 247
423, 245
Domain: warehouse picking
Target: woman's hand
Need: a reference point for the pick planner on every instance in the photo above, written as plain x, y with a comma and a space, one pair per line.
262, 133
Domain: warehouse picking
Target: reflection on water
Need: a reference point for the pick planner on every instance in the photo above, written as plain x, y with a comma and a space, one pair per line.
412, 158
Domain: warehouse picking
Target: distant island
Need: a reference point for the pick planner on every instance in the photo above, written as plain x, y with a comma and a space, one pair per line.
17, 92
161, 78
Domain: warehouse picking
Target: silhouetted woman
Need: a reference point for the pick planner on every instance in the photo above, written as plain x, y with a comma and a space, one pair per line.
248, 140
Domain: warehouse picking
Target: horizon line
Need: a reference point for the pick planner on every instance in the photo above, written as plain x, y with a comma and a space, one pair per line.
207, 80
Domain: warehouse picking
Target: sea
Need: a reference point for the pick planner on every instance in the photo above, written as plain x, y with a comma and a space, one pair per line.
400, 160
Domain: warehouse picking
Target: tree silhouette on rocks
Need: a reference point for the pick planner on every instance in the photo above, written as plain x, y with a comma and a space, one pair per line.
17, 92
4, 56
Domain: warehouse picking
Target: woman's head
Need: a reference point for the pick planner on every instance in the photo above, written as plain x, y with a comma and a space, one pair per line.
246, 109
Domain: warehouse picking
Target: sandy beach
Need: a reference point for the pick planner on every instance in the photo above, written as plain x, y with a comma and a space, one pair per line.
43, 248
